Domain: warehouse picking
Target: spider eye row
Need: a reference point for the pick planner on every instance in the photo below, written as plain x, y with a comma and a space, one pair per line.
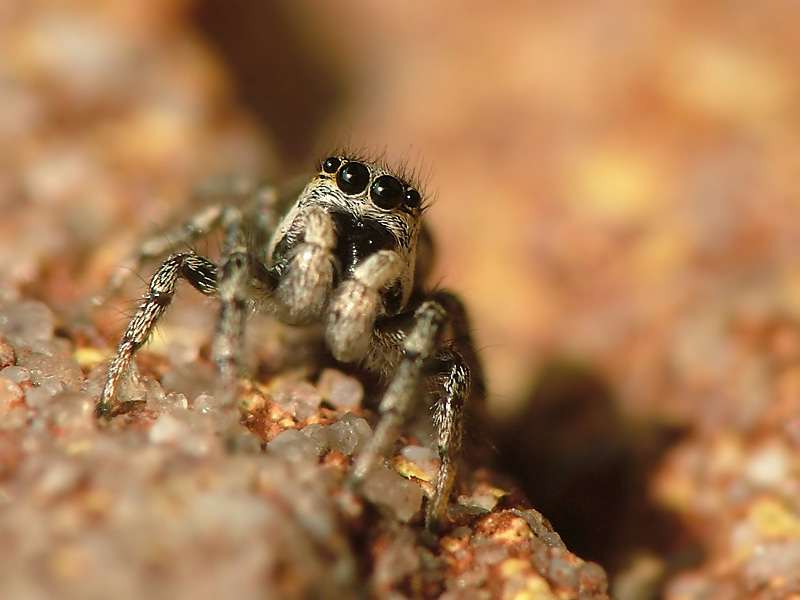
386, 191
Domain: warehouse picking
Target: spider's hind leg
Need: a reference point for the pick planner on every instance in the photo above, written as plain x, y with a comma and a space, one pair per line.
214, 197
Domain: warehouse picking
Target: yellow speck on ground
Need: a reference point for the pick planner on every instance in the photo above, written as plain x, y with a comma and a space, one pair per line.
409, 469
514, 566
773, 519
522, 583
766, 519
514, 529
88, 357
618, 186
732, 83
78, 447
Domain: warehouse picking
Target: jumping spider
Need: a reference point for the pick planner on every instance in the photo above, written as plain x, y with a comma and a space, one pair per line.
349, 255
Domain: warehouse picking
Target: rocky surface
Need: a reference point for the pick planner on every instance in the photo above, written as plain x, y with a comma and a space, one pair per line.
156, 503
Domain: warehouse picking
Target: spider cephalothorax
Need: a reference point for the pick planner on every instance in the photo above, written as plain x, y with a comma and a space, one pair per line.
343, 255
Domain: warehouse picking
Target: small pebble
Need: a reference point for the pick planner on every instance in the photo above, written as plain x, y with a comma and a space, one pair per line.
204, 403
298, 398
419, 454
167, 429
168, 403
190, 379
385, 487
51, 347
10, 394
593, 576
197, 421
540, 527
319, 434
136, 388
195, 433
293, 446
73, 411
561, 572
16, 374
26, 321
340, 390
15, 418
490, 554
38, 397
348, 434
52, 367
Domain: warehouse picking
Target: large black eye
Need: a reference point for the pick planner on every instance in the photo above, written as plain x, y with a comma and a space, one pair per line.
386, 192
353, 178
413, 198
331, 165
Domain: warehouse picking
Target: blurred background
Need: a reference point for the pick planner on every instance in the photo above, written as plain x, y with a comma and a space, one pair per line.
616, 191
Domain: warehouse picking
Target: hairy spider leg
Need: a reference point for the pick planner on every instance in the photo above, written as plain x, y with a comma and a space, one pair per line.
424, 356
222, 191
461, 390
200, 272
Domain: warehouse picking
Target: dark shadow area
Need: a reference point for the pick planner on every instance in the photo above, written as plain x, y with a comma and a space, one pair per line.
275, 72
587, 470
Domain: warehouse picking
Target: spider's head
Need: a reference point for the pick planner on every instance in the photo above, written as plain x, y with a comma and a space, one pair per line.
368, 201
371, 209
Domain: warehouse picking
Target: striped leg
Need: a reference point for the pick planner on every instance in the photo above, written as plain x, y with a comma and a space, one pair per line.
240, 273
449, 414
216, 195
199, 272
450, 368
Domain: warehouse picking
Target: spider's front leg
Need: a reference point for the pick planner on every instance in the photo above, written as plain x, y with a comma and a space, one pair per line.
456, 373
199, 272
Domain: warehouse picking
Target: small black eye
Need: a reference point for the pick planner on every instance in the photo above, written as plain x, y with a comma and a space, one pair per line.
413, 198
353, 178
331, 164
386, 192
